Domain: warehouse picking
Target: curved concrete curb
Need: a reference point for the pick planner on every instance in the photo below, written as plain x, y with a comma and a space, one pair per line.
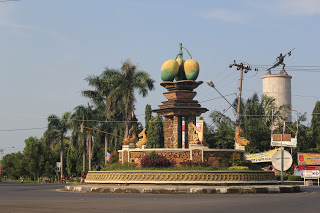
147, 189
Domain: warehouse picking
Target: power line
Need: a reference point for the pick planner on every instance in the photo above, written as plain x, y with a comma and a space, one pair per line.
8, 0
11, 130
216, 98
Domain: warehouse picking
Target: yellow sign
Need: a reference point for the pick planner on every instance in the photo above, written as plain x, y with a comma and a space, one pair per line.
262, 156
308, 159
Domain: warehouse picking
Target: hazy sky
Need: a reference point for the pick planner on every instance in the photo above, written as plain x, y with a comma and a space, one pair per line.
48, 48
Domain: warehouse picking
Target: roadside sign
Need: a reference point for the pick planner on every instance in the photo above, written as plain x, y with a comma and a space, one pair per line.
311, 174
287, 160
58, 167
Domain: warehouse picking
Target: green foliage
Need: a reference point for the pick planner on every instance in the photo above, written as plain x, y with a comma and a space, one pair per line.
153, 155
290, 177
119, 166
155, 133
223, 136
147, 116
123, 83
14, 165
315, 126
57, 131
155, 160
114, 158
37, 160
208, 135
236, 159
239, 168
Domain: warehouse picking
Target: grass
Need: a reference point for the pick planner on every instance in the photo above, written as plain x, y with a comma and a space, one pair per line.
25, 181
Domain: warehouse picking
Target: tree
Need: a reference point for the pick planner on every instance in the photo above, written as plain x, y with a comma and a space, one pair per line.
58, 127
255, 119
315, 126
223, 137
14, 165
98, 97
155, 134
85, 116
147, 116
123, 84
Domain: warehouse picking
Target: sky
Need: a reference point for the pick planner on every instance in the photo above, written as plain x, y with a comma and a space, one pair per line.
48, 48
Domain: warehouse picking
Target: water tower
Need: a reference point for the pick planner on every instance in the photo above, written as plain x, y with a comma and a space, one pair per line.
278, 86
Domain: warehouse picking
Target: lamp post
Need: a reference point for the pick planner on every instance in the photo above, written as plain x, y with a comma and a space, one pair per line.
211, 84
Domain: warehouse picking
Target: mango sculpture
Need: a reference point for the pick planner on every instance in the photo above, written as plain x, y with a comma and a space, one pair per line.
180, 69
169, 70
191, 69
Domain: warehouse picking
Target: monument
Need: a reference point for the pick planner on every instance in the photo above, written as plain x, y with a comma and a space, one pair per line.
179, 106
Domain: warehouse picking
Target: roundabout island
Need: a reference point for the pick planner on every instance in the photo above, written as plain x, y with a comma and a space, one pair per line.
181, 140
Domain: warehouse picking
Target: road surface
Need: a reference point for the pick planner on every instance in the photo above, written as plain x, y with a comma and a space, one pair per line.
16, 197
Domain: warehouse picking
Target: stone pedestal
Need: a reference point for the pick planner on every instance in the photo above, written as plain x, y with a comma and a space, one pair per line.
196, 152
238, 147
125, 156
180, 106
125, 147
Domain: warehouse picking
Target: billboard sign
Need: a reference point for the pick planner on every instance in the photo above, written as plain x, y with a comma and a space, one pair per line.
287, 141
261, 157
305, 159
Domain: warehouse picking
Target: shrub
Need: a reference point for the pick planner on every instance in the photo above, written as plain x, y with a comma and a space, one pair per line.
190, 163
114, 157
236, 159
119, 166
155, 160
293, 178
238, 168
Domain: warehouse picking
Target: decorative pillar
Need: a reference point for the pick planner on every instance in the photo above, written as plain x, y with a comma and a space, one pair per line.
172, 132
179, 131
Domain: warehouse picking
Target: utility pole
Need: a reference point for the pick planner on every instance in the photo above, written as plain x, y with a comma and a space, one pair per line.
283, 130
243, 68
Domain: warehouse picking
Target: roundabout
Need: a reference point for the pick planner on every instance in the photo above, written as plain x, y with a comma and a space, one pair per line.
181, 177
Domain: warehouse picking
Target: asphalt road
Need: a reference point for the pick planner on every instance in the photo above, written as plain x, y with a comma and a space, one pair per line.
16, 197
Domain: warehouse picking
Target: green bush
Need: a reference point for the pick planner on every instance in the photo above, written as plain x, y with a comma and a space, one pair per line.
119, 166
114, 158
293, 178
238, 168
236, 159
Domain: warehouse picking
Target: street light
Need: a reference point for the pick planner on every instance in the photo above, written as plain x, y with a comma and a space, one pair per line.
211, 84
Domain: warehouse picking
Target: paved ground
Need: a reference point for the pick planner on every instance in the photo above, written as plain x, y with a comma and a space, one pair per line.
15, 197
181, 189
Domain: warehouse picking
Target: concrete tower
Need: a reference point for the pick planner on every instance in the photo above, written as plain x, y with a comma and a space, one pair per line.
278, 86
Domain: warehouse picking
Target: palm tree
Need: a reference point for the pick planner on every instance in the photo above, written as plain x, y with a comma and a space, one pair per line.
77, 119
57, 131
123, 83
98, 97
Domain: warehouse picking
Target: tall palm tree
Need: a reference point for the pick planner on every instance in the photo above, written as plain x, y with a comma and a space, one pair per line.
123, 84
98, 96
79, 117
57, 131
